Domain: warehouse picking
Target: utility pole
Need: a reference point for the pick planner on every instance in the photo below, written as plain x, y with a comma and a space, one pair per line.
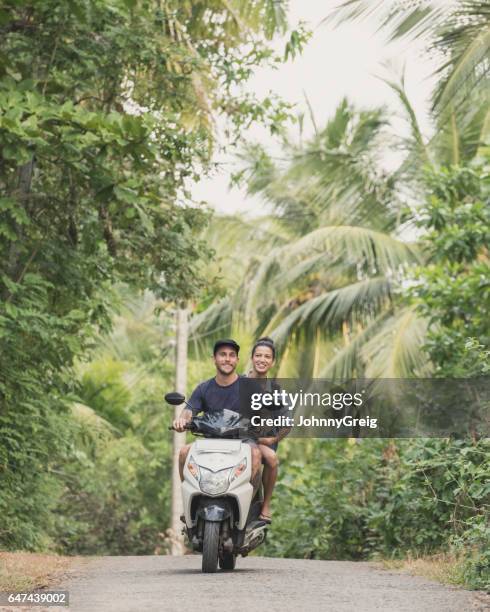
179, 437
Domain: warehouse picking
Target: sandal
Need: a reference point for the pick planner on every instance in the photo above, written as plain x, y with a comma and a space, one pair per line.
265, 518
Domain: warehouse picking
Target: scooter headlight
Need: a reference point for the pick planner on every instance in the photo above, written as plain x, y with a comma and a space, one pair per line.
238, 469
193, 468
214, 483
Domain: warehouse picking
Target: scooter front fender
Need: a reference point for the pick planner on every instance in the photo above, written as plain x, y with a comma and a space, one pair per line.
214, 513
243, 494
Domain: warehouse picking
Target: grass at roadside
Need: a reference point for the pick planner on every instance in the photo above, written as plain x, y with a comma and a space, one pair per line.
446, 568
443, 567
23, 571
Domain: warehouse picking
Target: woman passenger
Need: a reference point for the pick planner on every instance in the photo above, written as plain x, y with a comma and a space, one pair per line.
263, 358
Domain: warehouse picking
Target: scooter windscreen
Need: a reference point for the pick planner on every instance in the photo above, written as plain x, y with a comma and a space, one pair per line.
220, 424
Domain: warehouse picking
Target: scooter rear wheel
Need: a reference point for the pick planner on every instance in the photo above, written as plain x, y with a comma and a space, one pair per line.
210, 547
227, 561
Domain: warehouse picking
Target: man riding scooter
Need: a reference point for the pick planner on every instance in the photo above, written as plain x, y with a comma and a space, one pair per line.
221, 473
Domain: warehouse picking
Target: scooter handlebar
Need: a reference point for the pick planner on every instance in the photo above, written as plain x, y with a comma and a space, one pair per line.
187, 427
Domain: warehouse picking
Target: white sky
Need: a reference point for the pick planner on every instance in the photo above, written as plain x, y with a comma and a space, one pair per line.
338, 61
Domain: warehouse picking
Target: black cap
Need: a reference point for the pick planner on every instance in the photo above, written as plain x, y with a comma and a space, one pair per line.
226, 342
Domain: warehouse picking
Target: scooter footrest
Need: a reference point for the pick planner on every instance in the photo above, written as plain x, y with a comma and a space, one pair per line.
255, 524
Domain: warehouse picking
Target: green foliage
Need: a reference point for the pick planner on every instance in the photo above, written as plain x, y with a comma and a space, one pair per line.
356, 500
419, 496
330, 275
453, 292
116, 494
116, 502
105, 117
104, 390
474, 545
36, 345
454, 289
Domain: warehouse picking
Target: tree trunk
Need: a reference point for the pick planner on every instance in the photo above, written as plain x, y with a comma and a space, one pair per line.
179, 438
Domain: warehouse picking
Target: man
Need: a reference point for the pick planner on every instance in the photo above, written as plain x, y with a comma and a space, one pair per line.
216, 394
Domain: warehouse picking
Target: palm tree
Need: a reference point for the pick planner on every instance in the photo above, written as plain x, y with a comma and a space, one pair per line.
334, 284
327, 278
326, 281
238, 246
328, 290
457, 33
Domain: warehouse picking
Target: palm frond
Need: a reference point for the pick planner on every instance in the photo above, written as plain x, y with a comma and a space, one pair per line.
458, 31
356, 302
463, 132
396, 351
348, 363
226, 231
379, 252
302, 270
235, 241
91, 421
333, 178
398, 18
484, 136
216, 321
417, 145
258, 169
334, 248
259, 290
464, 41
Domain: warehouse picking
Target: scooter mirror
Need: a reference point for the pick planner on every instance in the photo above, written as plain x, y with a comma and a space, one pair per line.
174, 398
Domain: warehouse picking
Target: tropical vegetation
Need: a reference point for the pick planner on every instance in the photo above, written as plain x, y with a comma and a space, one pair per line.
107, 115
363, 272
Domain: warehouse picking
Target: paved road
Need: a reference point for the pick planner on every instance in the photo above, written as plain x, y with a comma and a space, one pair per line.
171, 584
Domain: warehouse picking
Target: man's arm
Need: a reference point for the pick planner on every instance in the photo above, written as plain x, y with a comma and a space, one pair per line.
186, 415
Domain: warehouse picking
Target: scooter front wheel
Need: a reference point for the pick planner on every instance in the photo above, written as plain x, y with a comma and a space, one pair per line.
210, 547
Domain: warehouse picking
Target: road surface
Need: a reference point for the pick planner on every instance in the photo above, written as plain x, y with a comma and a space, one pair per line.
171, 584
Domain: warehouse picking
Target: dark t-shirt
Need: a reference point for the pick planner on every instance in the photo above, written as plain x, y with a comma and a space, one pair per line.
208, 396
211, 397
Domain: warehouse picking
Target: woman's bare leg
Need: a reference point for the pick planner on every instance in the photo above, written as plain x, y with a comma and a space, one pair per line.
269, 476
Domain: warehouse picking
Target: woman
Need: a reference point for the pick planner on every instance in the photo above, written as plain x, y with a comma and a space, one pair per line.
263, 357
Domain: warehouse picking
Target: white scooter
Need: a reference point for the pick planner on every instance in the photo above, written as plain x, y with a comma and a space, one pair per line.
221, 507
